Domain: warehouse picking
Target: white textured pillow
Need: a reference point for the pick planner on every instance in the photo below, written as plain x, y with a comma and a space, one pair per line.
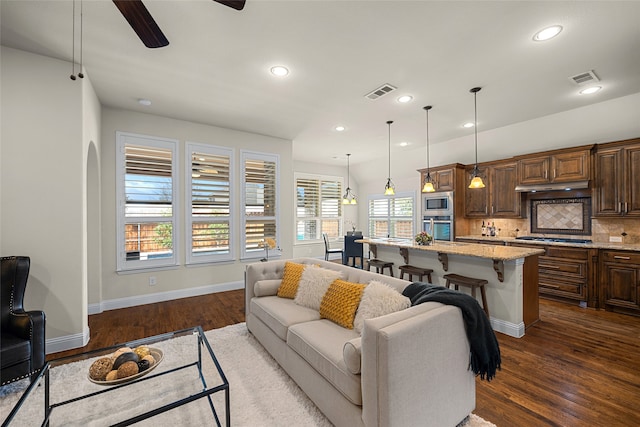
377, 300
313, 285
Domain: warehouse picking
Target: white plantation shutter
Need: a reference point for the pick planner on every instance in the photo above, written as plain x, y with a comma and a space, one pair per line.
146, 190
318, 206
260, 202
209, 210
392, 216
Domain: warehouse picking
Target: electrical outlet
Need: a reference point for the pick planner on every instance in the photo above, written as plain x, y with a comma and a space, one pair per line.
152, 281
615, 239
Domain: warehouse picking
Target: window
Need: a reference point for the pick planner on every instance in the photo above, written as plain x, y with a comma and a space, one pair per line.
318, 207
392, 216
209, 203
146, 190
259, 201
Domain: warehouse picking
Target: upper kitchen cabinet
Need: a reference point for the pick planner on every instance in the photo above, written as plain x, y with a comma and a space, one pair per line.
617, 179
498, 199
555, 167
443, 177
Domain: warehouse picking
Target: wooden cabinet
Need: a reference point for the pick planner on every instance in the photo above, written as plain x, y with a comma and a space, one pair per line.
558, 167
617, 180
564, 272
443, 177
620, 281
498, 199
567, 274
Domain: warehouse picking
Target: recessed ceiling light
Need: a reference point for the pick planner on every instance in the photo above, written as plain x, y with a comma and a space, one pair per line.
340, 128
467, 125
145, 102
547, 33
279, 71
404, 144
405, 98
590, 90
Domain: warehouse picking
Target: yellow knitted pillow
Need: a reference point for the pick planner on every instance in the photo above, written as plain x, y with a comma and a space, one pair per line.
290, 278
341, 301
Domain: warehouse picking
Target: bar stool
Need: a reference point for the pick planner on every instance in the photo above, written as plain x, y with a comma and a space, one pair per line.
469, 282
380, 266
412, 270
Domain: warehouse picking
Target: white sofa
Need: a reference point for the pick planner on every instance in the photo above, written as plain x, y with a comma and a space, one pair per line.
409, 368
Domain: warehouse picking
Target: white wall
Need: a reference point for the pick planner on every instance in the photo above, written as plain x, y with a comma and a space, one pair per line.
130, 288
42, 194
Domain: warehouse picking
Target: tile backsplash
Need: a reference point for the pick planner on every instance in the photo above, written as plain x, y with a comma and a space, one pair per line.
601, 229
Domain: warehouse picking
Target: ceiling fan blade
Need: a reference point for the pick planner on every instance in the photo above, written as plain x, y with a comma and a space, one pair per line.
235, 4
142, 22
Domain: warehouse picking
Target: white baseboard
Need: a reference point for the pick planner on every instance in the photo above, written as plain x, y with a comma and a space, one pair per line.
114, 304
508, 328
67, 342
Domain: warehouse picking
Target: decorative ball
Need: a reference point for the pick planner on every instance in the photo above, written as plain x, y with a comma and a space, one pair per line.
119, 351
150, 359
112, 375
100, 368
127, 369
143, 365
142, 351
125, 357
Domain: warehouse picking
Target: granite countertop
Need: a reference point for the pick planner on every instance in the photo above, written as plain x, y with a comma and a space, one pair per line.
594, 245
500, 253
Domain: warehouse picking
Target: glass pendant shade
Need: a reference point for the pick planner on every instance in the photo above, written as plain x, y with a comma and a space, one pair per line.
476, 180
349, 198
428, 185
428, 182
389, 188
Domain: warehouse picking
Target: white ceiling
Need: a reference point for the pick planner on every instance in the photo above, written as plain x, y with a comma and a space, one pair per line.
216, 68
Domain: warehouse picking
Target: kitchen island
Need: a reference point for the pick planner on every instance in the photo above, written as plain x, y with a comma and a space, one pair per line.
512, 273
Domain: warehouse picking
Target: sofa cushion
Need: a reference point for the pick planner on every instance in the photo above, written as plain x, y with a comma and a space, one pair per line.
313, 285
290, 278
377, 300
268, 287
352, 353
321, 344
341, 301
280, 313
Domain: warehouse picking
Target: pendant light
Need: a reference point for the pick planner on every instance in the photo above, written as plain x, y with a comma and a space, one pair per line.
476, 180
389, 189
349, 198
428, 183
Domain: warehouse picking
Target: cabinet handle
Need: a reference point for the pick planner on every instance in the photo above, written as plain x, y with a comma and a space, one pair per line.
551, 286
554, 174
547, 266
626, 207
545, 174
621, 257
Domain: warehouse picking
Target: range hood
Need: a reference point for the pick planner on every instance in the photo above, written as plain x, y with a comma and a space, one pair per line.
564, 186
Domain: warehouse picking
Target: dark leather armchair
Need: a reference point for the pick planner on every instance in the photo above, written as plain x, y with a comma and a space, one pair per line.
22, 336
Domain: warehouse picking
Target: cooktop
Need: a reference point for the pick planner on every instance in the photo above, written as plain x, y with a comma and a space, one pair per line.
553, 239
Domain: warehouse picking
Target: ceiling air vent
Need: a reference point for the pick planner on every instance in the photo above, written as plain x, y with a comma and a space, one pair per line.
382, 90
585, 78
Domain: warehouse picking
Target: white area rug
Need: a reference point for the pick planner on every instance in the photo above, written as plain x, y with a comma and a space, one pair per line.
261, 392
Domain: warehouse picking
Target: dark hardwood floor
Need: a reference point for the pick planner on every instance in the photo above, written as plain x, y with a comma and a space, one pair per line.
576, 367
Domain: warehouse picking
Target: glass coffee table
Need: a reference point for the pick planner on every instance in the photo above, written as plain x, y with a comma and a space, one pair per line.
183, 385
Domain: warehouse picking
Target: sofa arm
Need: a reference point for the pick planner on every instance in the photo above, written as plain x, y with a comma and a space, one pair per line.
416, 369
260, 271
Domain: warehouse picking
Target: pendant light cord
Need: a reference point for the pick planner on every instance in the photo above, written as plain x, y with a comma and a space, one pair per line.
389, 123
475, 123
427, 108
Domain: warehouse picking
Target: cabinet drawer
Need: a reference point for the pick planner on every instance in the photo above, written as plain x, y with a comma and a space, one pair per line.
621, 257
563, 267
565, 252
567, 289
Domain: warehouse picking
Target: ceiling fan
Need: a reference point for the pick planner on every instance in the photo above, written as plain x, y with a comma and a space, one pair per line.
145, 26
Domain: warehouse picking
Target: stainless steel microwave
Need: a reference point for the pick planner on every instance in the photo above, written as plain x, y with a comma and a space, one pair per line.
437, 204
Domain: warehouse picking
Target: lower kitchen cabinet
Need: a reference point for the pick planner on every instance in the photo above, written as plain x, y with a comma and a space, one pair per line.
620, 281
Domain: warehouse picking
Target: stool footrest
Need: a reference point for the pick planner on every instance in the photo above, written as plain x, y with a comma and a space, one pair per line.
464, 280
